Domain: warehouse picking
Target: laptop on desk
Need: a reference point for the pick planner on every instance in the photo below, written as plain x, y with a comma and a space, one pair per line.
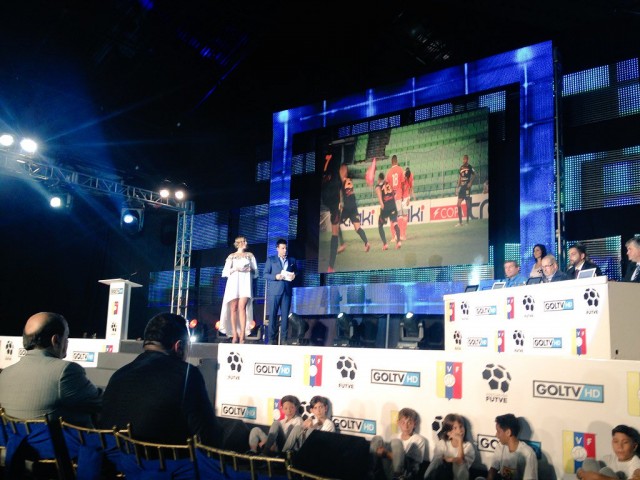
588, 273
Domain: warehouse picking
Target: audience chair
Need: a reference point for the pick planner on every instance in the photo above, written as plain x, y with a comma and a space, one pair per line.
35, 447
146, 460
214, 463
93, 452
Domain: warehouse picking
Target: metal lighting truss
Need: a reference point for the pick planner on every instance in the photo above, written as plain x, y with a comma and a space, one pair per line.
19, 165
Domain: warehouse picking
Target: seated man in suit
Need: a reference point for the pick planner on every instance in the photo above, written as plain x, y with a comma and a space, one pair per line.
42, 382
579, 261
550, 271
633, 267
163, 397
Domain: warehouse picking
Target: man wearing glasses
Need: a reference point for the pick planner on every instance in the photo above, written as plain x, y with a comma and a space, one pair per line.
550, 272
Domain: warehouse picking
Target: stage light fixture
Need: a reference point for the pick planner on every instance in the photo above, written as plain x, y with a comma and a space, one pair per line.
6, 140
180, 192
165, 189
298, 328
28, 146
60, 200
411, 332
344, 330
132, 218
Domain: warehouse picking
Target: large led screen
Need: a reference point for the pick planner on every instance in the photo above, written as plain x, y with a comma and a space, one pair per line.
412, 180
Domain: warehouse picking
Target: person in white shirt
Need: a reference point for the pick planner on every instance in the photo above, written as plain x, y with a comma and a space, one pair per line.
453, 456
403, 454
513, 459
319, 420
623, 463
260, 442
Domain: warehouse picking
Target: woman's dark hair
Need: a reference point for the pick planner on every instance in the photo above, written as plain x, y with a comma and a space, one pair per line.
542, 248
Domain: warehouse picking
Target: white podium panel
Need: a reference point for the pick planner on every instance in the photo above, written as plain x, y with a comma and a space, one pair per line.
589, 317
569, 405
83, 351
118, 310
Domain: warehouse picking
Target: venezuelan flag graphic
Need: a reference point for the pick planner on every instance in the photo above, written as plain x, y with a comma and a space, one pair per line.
580, 341
633, 393
500, 341
313, 370
576, 448
449, 380
511, 313
451, 311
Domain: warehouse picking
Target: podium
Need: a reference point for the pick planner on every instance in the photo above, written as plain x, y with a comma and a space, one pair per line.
118, 311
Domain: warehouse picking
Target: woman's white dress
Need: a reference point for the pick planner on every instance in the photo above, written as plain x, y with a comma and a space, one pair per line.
239, 285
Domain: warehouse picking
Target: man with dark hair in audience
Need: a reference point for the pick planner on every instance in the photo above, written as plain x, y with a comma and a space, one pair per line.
513, 458
163, 397
633, 253
42, 382
579, 261
513, 277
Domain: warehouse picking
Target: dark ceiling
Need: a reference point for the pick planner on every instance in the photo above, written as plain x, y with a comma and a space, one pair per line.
146, 89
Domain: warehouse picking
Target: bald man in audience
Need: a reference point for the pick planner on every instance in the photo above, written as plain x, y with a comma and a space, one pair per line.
42, 382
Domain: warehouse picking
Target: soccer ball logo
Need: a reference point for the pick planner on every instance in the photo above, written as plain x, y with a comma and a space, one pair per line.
114, 327
497, 377
518, 337
347, 367
528, 302
305, 411
592, 297
436, 425
465, 308
235, 362
9, 347
457, 337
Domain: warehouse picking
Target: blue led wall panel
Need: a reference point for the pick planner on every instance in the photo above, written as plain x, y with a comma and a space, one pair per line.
210, 230
160, 288
531, 68
602, 179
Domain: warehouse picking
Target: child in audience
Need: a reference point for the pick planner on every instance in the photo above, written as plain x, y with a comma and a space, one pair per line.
260, 442
404, 454
453, 456
318, 421
513, 458
623, 463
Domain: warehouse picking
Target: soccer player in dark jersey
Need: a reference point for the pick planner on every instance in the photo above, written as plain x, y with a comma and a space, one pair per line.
395, 178
350, 209
330, 193
388, 209
465, 180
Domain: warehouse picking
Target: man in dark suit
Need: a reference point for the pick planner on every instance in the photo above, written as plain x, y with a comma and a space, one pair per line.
279, 290
633, 267
42, 382
550, 271
579, 262
162, 396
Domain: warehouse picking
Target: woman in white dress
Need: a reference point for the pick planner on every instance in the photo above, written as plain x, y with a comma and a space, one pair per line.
240, 269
